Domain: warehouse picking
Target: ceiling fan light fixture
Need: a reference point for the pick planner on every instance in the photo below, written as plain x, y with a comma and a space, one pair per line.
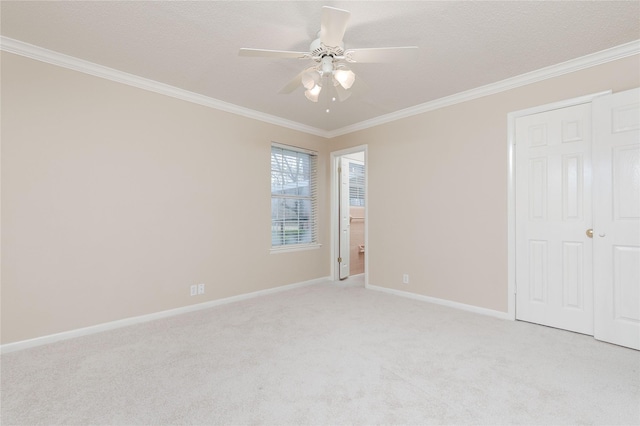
345, 77
327, 64
313, 93
310, 79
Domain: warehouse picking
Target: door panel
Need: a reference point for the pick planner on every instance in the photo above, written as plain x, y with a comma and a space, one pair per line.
553, 211
572, 276
538, 266
617, 218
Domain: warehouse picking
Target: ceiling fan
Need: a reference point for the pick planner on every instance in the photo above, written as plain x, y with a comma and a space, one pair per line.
328, 51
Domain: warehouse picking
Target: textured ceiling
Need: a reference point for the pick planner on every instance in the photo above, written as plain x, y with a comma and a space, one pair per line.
194, 45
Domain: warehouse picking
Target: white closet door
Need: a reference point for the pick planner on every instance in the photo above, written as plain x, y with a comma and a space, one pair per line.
553, 213
617, 218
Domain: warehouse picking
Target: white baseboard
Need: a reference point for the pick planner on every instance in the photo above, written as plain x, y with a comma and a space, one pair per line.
112, 325
443, 302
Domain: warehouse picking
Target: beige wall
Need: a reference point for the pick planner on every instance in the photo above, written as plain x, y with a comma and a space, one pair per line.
356, 238
115, 200
438, 189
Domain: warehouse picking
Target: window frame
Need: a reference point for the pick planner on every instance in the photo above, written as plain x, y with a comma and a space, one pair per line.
356, 183
312, 197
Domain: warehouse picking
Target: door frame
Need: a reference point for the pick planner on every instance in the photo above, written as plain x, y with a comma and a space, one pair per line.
511, 185
335, 202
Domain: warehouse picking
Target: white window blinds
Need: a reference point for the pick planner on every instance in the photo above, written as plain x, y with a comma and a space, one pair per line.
356, 183
293, 197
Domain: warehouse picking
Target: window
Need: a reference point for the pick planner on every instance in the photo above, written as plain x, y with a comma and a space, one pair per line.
356, 184
293, 197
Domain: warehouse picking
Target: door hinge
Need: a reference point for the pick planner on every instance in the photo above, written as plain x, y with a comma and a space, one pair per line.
339, 260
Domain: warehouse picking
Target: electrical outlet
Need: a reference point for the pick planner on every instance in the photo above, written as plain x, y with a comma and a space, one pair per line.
405, 279
194, 290
200, 288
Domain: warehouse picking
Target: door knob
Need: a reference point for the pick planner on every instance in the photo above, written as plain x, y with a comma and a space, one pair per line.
589, 233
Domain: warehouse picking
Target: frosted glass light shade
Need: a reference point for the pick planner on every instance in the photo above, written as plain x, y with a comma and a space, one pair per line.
313, 93
345, 78
310, 79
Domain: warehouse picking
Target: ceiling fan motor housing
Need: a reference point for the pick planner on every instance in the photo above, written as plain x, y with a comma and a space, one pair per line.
319, 50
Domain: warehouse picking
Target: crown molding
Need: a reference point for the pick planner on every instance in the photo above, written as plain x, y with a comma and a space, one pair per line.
55, 58
591, 60
59, 59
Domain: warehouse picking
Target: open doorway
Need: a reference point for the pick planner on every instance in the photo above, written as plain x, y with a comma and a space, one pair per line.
349, 214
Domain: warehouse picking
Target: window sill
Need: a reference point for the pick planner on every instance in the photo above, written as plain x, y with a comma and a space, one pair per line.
292, 248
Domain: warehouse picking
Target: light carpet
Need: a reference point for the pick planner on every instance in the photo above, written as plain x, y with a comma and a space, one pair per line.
327, 354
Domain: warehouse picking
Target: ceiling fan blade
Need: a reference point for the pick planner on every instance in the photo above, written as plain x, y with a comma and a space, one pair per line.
360, 87
292, 85
382, 54
343, 93
333, 26
295, 83
272, 53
